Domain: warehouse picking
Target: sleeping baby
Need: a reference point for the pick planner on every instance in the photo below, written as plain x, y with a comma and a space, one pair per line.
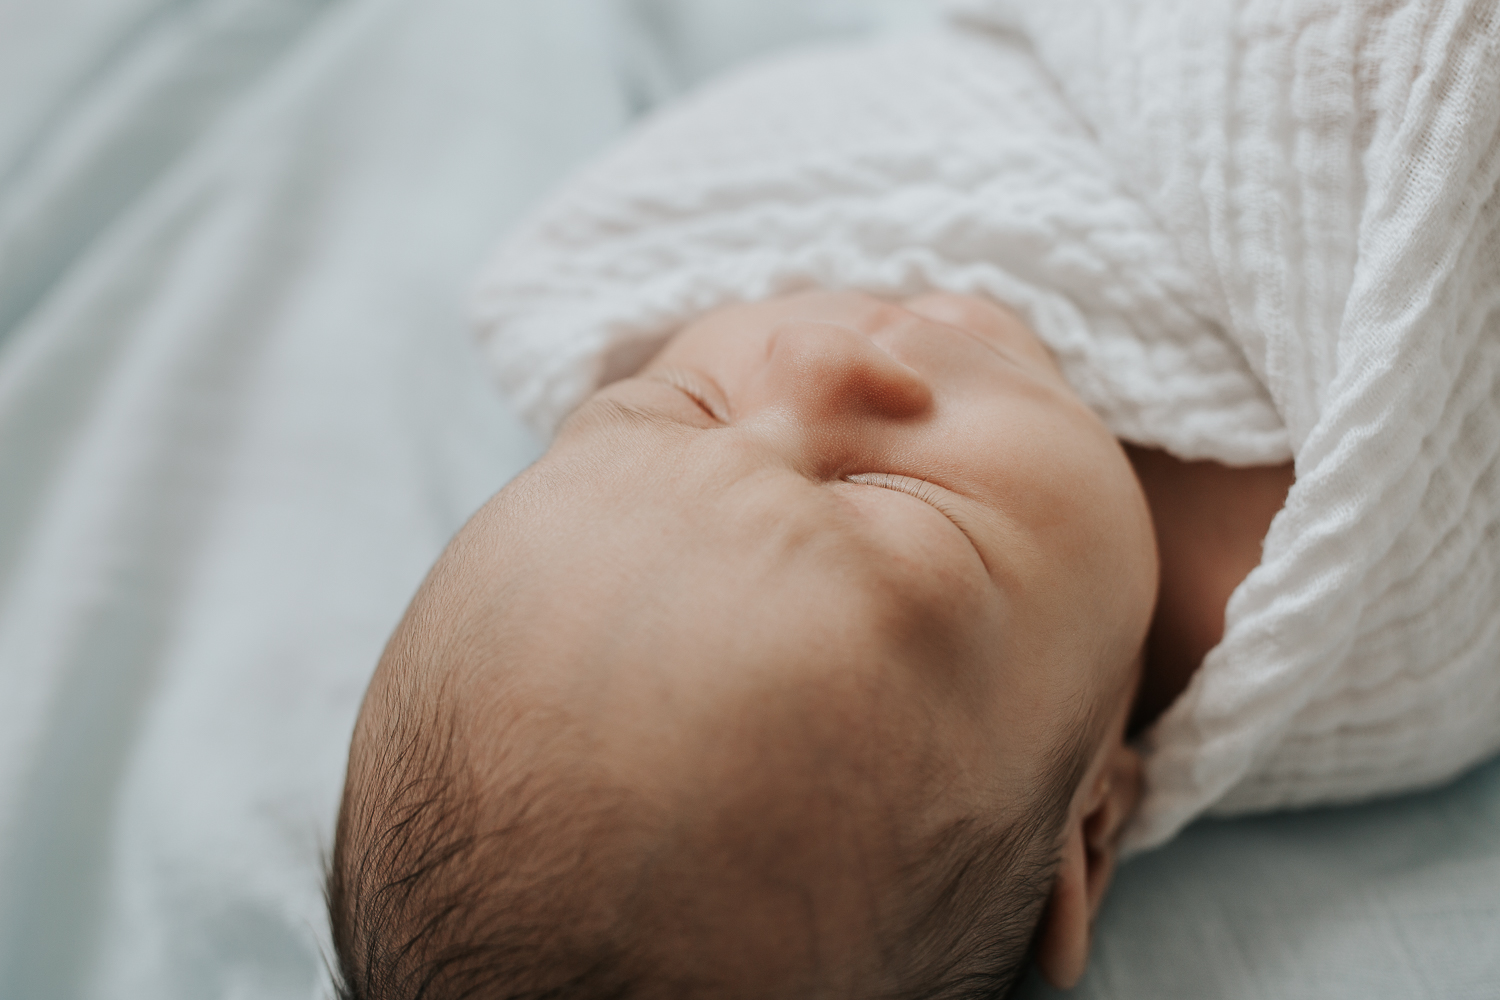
838, 644
800, 665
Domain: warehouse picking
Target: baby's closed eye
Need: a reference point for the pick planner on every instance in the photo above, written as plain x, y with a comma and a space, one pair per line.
929, 493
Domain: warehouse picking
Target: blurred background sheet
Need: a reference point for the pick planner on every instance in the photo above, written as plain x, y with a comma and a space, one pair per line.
239, 416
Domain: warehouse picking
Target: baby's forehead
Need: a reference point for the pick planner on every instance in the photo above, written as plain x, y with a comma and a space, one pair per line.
640, 549
625, 568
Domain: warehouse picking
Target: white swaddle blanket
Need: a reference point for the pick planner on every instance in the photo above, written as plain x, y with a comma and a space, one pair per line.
1248, 230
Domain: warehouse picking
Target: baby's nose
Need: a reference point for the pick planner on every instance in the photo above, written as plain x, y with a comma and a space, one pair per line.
824, 371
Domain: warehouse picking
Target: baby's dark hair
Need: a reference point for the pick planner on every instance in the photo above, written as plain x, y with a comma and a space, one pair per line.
448, 883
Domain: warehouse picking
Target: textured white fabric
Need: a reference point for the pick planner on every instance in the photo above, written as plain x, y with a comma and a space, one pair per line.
1249, 231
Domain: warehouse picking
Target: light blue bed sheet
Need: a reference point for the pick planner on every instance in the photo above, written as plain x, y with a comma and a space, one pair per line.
239, 416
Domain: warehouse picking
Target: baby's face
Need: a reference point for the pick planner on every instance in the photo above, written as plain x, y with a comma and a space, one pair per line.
920, 473
943, 441
825, 559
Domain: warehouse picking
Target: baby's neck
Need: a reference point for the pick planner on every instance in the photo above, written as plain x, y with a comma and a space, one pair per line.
1210, 522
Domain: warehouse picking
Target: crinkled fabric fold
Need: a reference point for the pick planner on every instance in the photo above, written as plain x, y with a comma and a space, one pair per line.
1250, 231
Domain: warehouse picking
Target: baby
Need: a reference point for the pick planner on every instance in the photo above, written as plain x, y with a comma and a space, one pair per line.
801, 665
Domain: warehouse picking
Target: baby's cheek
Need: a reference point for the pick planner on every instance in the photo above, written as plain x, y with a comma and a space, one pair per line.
1111, 534
952, 626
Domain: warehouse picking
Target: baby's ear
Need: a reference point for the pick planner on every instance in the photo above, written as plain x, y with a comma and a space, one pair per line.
1104, 803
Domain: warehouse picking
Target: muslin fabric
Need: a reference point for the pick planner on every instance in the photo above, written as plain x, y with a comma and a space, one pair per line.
1249, 230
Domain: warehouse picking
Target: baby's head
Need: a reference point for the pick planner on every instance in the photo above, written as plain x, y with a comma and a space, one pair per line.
799, 666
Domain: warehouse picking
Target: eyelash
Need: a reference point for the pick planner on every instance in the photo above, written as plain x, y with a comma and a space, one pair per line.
919, 488
924, 491
708, 410
684, 384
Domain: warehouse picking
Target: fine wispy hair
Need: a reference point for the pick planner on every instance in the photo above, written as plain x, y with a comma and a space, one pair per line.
436, 891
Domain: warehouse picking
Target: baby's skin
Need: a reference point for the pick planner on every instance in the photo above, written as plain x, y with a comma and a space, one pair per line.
829, 567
